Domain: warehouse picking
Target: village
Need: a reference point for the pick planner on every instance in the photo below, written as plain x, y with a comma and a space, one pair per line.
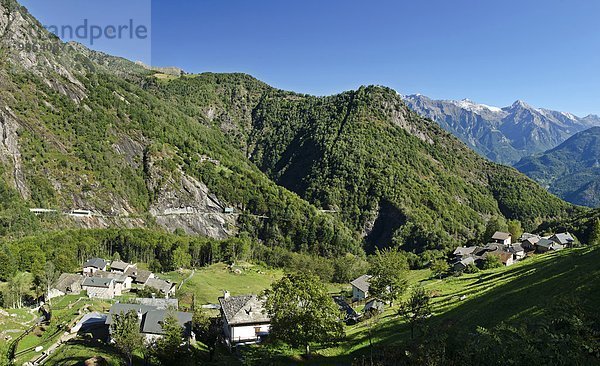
242, 320
507, 250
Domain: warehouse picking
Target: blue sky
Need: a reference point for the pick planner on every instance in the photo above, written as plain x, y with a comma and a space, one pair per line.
544, 52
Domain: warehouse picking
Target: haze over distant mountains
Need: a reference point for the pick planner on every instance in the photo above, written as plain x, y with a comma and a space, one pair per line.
571, 170
504, 135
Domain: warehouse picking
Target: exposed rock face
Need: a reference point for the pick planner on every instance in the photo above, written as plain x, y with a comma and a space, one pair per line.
181, 201
10, 154
32, 48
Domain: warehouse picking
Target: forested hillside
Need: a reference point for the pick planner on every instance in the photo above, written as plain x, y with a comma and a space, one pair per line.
87, 130
391, 175
571, 170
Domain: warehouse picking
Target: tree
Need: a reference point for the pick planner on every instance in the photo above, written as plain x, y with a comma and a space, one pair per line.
181, 258
495, 224
50, 275
388, 268
19, 287
515, 229
169, 349
302, 312
207, 331
439, 267
492, 261
594, 238
416, 309
125, 332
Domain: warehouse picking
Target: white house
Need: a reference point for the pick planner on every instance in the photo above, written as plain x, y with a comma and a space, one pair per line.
244, 319
360, 287
502, 238
101, 288
93, 265
122, 281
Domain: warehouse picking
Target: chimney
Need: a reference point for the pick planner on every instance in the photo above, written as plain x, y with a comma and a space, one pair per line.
226, 294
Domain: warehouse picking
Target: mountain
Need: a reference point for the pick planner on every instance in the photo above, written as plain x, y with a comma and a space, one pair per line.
571, 170
391, 175
504, 135
141, 148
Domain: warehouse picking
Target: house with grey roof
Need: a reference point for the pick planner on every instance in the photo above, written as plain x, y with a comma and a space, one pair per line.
463, 263
360, 287
164, 288
564, 239
140, 276
94, 264
151, 318
462, 252
100, 288
547, 245
119, 266
501, 238
122, 281
529, 241
66, 284
245, 320
517, 251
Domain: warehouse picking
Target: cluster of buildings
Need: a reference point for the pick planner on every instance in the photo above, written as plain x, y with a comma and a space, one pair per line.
103, 280
502, 246
151, 314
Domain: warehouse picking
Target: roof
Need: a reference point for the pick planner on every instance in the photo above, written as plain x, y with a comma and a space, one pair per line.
504, 257
139, 275
152, 321
150, 318
120, 309
119, 265
499, 235
374, 304
532, 239
362, 283
245, 309
66, 280
526, 236
495, 247
96, 263
158, 303
161, 285
464, 250
97, 282
118, 277
516, 248
549, 244
563, 238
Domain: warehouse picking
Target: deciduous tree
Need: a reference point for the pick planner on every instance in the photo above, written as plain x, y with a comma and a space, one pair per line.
388, 268
125, 332
302, 312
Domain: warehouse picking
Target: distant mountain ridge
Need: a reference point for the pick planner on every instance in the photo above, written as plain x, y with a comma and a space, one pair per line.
571, 170
504, 135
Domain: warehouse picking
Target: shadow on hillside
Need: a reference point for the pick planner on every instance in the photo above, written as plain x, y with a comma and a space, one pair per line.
527, 290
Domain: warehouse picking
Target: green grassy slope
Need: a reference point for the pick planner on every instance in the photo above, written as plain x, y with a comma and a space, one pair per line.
514, 294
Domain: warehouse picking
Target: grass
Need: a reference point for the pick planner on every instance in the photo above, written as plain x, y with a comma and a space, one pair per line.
207, 284
459, 303
485, 299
